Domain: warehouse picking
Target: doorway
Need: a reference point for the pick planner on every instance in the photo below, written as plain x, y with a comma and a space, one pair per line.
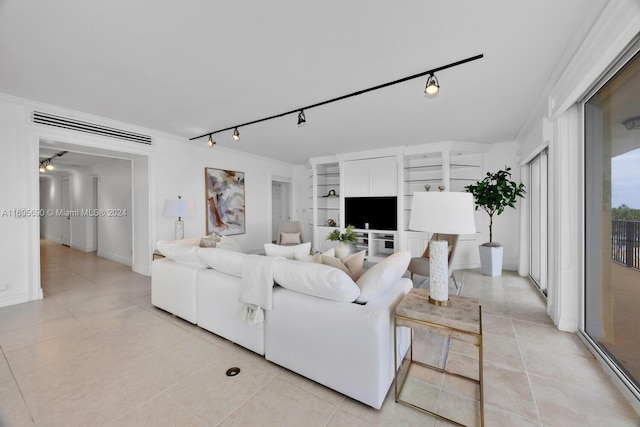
538, 220
280, 205
65, 217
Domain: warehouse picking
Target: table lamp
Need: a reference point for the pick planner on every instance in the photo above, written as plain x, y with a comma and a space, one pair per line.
181, 207
447, 213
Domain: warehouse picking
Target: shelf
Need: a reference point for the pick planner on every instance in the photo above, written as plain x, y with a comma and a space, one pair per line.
407, 181
458, 166
423, 167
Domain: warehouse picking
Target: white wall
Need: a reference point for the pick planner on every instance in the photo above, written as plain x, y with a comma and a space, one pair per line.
172, 166
180, 171
15, 251
115, 201
50, 228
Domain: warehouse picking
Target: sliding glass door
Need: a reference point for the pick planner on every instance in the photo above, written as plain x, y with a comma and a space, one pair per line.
612, 220
538, 220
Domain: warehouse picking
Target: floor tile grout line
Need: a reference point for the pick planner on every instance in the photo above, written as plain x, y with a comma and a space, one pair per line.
15, 380
526, 371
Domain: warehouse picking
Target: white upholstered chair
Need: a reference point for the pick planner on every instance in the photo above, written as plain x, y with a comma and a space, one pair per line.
290, 228
420, 265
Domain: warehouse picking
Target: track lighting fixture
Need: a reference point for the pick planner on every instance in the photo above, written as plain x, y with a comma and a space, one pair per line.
211, 141
47, 164
301, 118
432, 88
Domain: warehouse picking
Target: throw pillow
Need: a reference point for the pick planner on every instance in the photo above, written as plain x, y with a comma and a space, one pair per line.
290, 238
352, 265
210, 241
377, 280
288, 252
229, 262
317, 258
315, 279
182, 253
229, 244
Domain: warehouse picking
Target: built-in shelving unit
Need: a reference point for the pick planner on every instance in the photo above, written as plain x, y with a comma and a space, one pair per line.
328, 194
465, 169
378, 244
392, 173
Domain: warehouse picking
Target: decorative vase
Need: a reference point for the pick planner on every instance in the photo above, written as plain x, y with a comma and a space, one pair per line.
342, 250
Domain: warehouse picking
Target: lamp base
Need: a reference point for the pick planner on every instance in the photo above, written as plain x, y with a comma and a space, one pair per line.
438, 302
439, 272
179, 230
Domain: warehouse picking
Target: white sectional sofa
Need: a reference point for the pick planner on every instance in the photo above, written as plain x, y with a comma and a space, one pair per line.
344, 345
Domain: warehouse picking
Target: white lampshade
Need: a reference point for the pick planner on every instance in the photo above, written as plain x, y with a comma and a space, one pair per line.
179, 207
444, 212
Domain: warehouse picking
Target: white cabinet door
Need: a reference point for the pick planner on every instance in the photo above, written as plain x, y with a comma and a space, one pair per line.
356, 178
371, 177
383, 175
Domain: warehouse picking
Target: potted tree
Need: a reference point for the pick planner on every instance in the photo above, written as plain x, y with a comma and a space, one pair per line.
345, 240
493, 194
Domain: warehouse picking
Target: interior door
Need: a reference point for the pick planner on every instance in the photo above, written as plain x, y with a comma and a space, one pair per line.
66, 207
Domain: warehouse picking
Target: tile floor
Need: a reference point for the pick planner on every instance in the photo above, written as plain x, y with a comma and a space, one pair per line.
95, 352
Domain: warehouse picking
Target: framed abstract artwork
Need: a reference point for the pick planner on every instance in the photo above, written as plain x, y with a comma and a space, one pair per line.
224, 197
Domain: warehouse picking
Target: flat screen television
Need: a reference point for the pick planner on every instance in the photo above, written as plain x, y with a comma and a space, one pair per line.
381, 213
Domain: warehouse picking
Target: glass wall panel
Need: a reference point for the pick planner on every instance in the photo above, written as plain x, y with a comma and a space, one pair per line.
612, 219
537, 196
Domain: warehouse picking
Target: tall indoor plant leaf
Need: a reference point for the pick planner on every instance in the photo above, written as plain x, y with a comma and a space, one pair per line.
494, 193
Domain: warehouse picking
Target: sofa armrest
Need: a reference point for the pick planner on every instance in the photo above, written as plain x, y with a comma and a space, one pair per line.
345, 346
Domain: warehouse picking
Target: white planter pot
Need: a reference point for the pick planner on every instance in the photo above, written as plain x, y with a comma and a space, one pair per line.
491, 260
342, 251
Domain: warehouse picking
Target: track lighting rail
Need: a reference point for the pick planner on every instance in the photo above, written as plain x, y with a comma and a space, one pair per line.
340, 98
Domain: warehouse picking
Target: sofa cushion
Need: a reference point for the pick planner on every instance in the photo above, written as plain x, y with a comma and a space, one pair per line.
352, 265
379, 278
288, 252
315, 279
223, 260
184, 253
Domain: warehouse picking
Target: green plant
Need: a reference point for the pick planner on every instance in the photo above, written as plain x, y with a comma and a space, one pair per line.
348, 238
494, 193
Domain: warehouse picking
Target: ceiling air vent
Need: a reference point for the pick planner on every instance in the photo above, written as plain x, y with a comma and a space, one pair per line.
86, 127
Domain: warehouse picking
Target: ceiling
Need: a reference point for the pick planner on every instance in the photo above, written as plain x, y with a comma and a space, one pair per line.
192, 67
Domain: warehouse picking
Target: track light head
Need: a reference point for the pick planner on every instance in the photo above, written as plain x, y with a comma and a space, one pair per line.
211, 141
301, 118
42, 168
433, 87
236, 134
49, 166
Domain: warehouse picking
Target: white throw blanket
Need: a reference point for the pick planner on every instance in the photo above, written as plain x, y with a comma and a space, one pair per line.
257, 287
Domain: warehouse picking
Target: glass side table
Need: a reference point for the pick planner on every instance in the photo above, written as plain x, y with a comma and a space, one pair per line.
460, 320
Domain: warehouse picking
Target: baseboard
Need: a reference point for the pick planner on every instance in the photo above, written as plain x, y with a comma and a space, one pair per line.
83, 248
115, 257
14, 299
567, 325
141, 269
57, 240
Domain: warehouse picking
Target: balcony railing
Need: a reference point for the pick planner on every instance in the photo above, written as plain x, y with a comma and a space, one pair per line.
625, 243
